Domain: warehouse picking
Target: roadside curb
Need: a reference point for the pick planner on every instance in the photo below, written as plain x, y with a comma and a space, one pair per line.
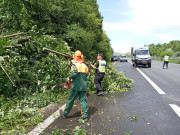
48, 111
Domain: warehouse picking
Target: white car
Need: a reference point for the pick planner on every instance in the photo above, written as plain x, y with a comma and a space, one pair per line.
123, 59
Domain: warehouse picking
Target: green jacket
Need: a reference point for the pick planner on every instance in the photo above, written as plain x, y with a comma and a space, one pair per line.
79, 80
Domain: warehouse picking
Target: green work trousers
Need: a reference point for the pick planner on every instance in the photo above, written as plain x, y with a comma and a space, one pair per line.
83, 102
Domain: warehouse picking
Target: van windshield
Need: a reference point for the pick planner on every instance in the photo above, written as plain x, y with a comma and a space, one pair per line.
142, 52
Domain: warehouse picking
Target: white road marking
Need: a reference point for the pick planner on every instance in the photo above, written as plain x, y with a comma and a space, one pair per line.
152, 83
176, 108
42, 126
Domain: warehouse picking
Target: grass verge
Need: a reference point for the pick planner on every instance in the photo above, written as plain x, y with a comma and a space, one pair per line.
18, 113
170, 61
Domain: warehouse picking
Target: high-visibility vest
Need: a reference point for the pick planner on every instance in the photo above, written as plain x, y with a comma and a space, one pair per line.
166, 58
102, 66
81, 68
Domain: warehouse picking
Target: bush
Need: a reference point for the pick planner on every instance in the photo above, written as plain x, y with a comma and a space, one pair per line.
113, 81
32, 69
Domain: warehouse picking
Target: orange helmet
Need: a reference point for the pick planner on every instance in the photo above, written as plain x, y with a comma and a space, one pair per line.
78, 57
78, 53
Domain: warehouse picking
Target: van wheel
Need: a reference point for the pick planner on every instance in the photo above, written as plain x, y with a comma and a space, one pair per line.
149, 65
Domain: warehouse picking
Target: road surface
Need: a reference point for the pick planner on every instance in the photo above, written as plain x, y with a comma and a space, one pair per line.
142, 110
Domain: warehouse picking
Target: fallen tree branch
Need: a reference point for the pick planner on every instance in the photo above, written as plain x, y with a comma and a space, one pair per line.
64, 55
14, 35
7, 56
25, 39
15, 46
58, 53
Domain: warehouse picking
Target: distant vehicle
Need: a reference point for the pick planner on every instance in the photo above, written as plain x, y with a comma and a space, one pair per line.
123, 58
115, 58
140, 56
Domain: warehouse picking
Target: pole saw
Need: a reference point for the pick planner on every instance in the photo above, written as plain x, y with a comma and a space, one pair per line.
2, 59
67, 83
62, 54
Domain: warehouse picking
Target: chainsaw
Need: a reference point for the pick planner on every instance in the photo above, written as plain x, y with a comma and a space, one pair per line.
65, 85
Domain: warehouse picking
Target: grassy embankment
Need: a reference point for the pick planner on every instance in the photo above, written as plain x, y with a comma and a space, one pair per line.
170, 61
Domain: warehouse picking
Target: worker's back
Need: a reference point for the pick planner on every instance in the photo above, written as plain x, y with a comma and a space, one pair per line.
79, 71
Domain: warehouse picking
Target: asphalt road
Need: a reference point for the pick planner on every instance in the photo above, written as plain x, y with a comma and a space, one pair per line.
139, 111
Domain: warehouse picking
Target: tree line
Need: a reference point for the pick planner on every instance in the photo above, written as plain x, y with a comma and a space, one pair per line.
172, 49
76, 22
61, 25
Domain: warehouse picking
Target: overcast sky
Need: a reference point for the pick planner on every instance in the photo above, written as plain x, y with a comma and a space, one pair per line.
139, 22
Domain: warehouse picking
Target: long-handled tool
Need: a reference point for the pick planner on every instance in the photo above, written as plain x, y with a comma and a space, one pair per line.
7, 73
58, 53
61, 54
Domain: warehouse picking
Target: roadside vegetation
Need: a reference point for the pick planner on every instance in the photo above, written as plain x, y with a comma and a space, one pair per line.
78, 130
172, 49
170, 61
63, 26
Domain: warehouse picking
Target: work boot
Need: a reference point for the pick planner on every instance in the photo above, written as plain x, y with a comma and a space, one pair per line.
100, 93
85, 119
62, 114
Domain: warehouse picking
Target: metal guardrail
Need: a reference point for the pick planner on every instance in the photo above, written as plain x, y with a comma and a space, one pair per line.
171, 58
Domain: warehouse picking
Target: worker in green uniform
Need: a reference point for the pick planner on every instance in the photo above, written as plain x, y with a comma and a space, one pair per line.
166, 61
78, 76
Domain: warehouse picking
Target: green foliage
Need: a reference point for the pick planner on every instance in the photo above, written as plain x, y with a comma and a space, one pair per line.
113, 81
172, 49
78, 130
134, 118
79, 23
3, 42
21, 111
168, 52
57, 132
175, 61
32, 69
35, 73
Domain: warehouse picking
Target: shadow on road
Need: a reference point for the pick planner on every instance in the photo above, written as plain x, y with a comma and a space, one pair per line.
141, 66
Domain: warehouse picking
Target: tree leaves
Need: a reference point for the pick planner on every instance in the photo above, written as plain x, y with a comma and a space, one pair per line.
171, 48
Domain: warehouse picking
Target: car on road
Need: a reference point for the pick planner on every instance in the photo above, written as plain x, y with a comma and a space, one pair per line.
115, 58
123, 59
